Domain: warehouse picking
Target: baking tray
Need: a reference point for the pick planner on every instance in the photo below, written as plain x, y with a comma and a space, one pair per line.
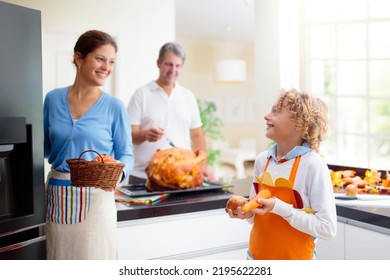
140, 190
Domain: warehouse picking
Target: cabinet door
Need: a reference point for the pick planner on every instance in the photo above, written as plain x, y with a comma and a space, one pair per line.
239, 254
364, 244
184, 236
332, 249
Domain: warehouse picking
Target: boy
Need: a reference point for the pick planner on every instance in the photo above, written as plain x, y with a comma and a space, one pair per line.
302, 207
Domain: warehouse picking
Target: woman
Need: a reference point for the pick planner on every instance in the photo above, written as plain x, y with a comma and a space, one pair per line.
81, 222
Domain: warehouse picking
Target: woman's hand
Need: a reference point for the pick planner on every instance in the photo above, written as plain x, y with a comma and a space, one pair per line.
110, 189
107, 189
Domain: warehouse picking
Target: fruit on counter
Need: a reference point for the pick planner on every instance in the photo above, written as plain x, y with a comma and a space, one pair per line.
348, 173
342, 178
358, 181
339, 177
372, 176
252, 204
384, 187
105, 159
234, 202
386, 182
351, 190
371, 181
370, 190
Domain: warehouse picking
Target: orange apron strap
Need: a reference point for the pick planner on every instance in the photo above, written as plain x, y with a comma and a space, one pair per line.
293, 172
257, 184
265, 168
266, 165
294, 169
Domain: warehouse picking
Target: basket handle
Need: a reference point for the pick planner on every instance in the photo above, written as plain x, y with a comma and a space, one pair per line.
102, 160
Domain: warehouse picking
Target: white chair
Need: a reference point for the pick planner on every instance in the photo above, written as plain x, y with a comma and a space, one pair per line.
238, 156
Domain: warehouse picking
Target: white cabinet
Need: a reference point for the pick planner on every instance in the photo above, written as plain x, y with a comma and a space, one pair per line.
199, 235
353, 242
239, 254
332, 249
365, 244
212, 235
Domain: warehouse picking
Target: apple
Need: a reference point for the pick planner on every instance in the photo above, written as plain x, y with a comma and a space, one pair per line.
351, 190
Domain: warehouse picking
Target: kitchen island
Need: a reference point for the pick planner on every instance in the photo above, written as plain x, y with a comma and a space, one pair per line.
195, 226
191, 225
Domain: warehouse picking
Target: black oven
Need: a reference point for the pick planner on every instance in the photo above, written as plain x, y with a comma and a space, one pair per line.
22, 200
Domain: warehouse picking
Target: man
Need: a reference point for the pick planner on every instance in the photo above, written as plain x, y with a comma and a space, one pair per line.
163, 113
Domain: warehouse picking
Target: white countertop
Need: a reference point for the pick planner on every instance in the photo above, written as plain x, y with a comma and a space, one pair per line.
368, 200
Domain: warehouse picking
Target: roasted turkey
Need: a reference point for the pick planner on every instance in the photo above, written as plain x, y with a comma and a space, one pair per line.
174, 169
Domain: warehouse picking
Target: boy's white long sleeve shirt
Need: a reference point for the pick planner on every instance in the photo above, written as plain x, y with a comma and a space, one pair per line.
314, 185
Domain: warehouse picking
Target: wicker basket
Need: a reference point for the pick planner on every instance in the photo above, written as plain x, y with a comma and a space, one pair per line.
84, 173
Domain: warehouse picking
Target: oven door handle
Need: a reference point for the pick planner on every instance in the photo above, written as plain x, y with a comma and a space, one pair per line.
22, 244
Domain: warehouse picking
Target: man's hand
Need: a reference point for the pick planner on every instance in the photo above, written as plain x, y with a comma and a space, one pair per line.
154, 134
209, 176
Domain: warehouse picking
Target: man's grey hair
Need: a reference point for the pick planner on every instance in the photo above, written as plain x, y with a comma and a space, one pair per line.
172, 47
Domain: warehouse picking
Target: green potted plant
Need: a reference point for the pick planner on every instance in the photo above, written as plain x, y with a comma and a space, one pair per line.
212, 128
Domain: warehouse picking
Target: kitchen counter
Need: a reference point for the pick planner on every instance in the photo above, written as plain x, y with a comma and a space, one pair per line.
178, 204
373, 215
368, 216
368, 211
198, 216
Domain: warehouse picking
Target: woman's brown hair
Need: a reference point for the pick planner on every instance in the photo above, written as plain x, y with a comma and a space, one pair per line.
91, 40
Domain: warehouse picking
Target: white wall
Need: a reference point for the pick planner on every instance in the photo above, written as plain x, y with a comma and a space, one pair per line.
272, 63
139, 26
140, 30
234, 101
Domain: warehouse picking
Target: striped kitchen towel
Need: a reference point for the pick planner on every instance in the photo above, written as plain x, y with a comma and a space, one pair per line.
147, 199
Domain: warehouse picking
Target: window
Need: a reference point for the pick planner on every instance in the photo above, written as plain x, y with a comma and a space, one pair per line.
348, 65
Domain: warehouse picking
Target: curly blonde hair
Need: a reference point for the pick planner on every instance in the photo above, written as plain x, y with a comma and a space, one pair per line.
309, 112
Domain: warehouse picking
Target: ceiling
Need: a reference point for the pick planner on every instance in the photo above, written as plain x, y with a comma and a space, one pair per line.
218, 20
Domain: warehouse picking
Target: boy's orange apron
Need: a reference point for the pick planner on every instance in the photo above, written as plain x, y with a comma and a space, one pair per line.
272, 237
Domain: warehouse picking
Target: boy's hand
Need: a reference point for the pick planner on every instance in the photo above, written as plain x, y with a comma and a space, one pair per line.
266, 205
240, 215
